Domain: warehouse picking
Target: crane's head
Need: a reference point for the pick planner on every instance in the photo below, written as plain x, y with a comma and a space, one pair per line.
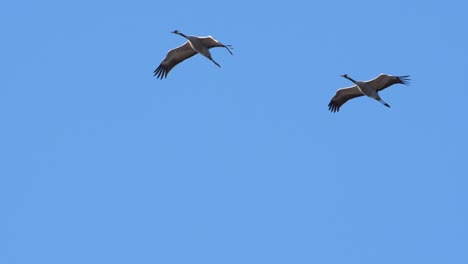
176, 31
344, 75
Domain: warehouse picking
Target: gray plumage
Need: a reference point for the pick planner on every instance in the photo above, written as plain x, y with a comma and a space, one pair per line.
369, 88
193, 46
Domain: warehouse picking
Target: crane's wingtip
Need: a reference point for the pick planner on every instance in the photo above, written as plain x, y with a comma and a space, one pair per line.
405, 79
160, 72
333, 107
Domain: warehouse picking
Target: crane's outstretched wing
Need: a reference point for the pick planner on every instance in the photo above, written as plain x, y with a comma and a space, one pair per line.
174, 57
211, 42
342, 96
383, 81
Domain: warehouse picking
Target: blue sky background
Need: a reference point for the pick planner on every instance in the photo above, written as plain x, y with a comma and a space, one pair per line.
102, 163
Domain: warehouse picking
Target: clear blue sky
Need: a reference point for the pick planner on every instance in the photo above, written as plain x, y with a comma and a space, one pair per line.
100, 162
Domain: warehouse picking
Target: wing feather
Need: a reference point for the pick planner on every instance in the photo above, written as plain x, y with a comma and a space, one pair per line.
342, 96
211, 42
383, 81
174, 57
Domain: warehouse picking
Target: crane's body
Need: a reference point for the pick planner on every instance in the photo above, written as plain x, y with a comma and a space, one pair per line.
193, 46
369, 88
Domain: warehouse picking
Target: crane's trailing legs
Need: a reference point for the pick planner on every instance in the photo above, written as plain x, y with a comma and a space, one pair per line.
384, 103
217, 64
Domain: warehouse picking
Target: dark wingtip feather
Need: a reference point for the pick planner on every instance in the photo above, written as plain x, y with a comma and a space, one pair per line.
229, 48
160, 72
333, 107
405, 79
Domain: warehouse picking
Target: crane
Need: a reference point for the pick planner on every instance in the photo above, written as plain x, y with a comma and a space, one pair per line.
193, 46
369, 88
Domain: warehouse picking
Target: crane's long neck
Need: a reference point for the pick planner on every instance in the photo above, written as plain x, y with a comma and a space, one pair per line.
349, 78
182, 34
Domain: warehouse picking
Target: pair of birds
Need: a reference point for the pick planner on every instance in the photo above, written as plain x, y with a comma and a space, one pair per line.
202, 45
